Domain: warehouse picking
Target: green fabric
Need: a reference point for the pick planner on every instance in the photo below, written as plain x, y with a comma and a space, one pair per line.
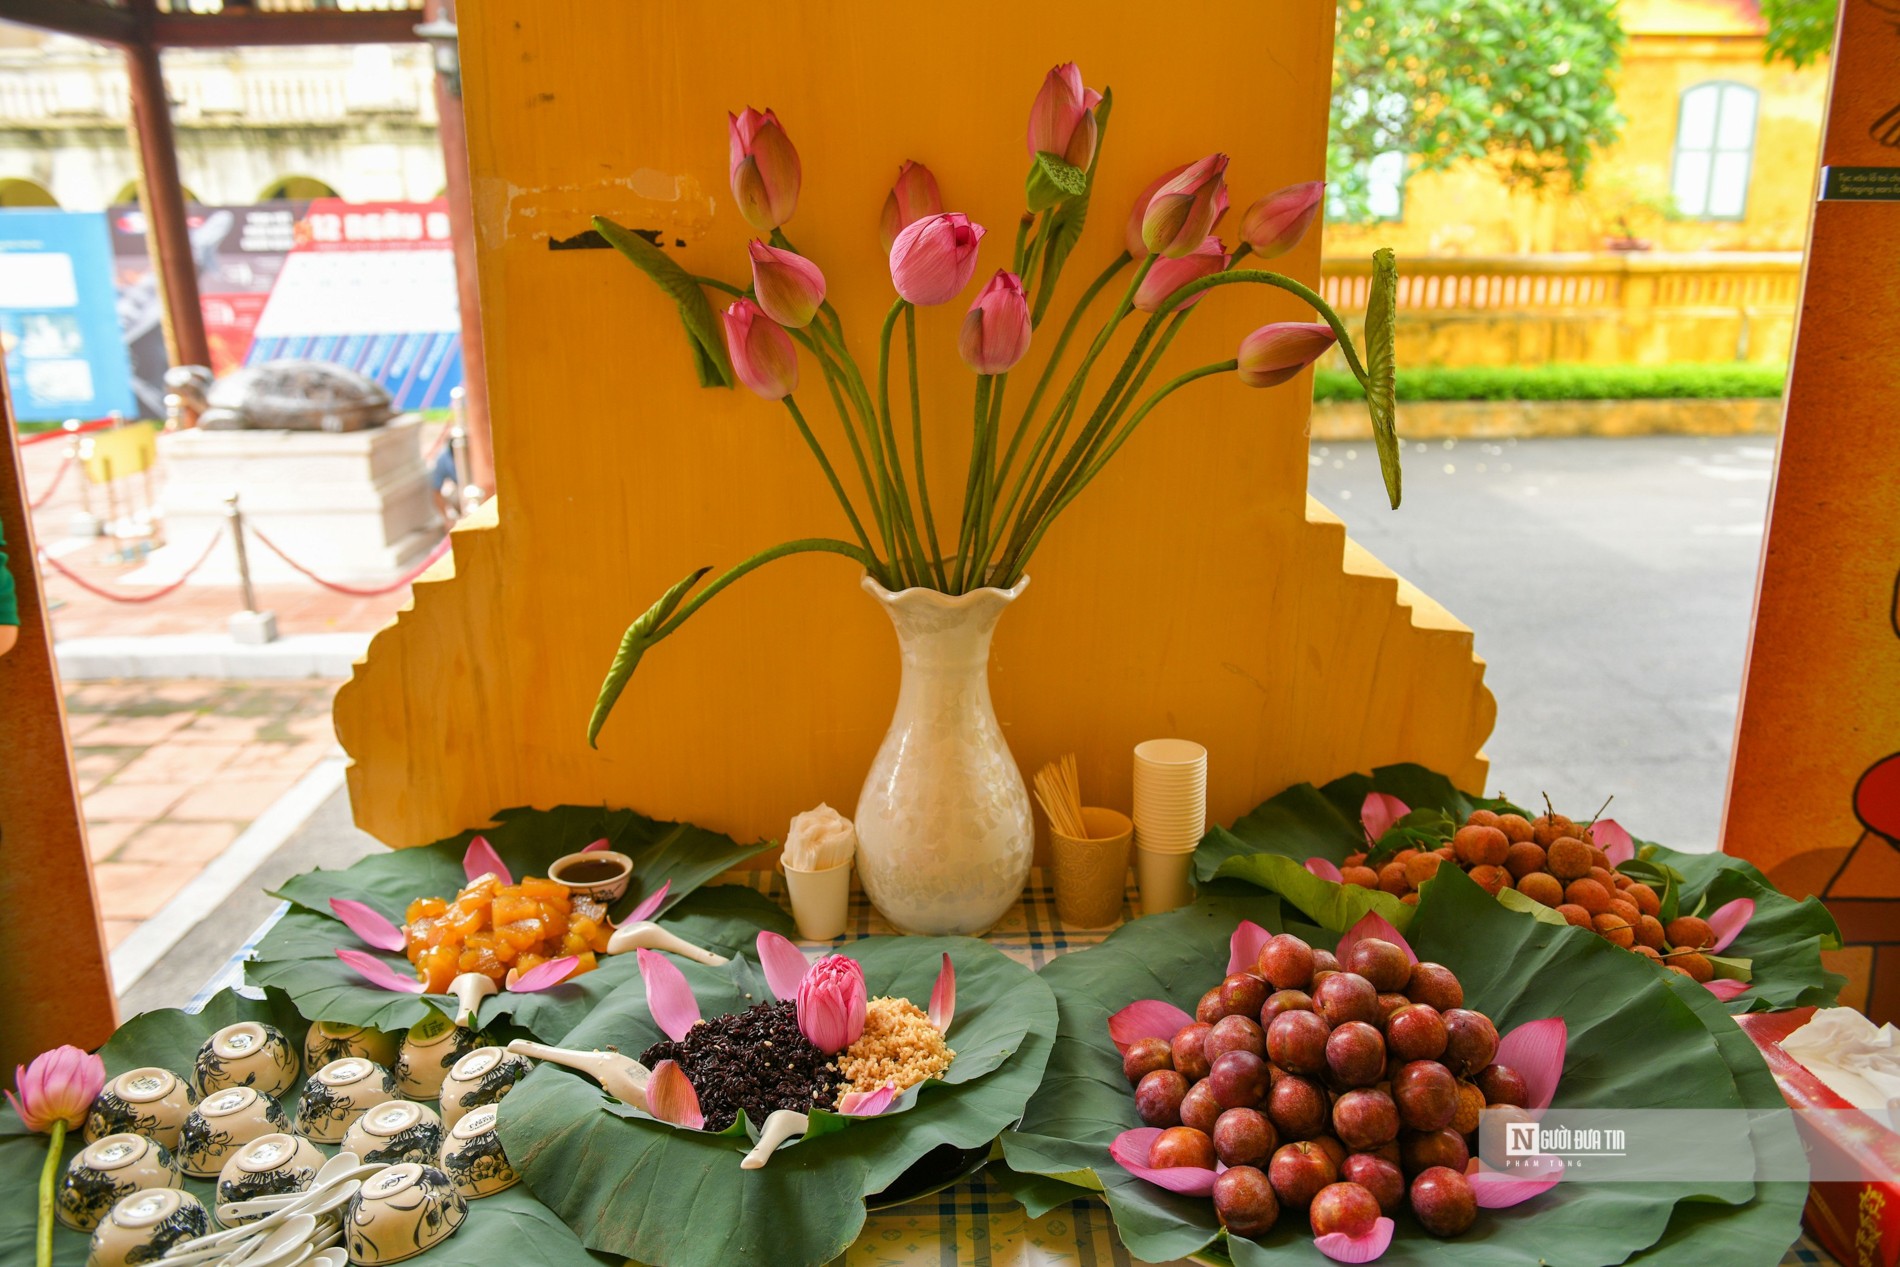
9, 605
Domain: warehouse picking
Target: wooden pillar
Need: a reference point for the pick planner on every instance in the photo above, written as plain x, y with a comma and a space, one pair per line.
55, 985
162, 199
454, 140
1814, 791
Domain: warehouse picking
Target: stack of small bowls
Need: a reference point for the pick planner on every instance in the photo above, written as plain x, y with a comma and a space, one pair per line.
1170, 818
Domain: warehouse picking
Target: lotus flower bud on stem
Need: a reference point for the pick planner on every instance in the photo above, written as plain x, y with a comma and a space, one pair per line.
1185, 210
913, 196
763, 168
57, 1086
1275, 224
762, 353
831, 1003
1062, 119
788, 286
1137, 249
996, 330
1166, 276
935, 258
1277, 351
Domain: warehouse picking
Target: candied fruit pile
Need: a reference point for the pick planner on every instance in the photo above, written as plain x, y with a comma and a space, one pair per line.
493, 928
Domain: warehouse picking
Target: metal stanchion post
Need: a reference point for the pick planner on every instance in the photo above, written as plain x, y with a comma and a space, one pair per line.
83, 523
250, 625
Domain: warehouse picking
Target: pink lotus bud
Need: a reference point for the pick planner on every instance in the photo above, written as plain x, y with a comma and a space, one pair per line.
1184, 210
59, 1086
831, 1003
1167, 276
933, 259
1136, 247
761, 351
763, 167
1279, 350
1062, 120
995, 333
913, 196
788, 286
1275, 224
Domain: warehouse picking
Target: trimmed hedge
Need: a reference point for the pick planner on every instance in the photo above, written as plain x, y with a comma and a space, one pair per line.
1569, 382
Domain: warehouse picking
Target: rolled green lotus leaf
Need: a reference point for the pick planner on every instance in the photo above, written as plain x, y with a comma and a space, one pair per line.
702, 328
633, 645
1382, 301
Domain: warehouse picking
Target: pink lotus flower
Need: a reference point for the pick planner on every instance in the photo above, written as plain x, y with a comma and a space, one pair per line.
650, 904
867, 1103
1166, 275
1280, 349
1132, 234
367, 924
935, 257
1275, 224
831, 1002
57, 1086
1146, 1018
1325, 869
378, 973
1243, 948
943, 996
1372, 924
763, 168
1363, 1248
1185, 210
1062, 120
1613, 841
995, 332
761, 351
481, 859
549, 972
671, 1098
670, 999
787, 285
1378, 812
912, 197
1131, 1150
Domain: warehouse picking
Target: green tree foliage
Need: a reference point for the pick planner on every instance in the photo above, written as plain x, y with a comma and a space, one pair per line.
1799, 30
1526, 85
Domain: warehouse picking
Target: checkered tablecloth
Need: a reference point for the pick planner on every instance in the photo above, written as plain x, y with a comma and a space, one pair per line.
974, 1223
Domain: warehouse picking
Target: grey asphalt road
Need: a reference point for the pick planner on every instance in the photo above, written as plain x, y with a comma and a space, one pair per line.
1610, 584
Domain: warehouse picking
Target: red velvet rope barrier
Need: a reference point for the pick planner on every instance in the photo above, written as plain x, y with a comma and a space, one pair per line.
442, 548
46, 437
154, 596
34, 503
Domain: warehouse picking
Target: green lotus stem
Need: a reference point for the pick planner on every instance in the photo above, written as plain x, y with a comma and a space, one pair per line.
735, 291
971, 497
49, 1180
906, 515
1037, 245
917, 441
805, 545
861, 394
1022, 240
832, 376
993, 431
1076, 486
1265, 278
824, 463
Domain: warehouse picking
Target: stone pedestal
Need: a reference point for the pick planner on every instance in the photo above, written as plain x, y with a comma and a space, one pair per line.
353, 507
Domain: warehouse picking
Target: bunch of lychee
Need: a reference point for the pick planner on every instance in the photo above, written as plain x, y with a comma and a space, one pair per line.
1343, 1091
1552, 860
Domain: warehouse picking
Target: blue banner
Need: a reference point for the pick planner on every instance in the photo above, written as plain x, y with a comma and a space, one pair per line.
59, 321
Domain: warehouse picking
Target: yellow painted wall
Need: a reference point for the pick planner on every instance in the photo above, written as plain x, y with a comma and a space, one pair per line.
1195, 590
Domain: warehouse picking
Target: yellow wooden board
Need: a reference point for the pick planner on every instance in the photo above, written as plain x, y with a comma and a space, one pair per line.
1195, 590
122, 451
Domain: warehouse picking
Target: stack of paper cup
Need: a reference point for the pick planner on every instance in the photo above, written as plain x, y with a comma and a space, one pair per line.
1170, 818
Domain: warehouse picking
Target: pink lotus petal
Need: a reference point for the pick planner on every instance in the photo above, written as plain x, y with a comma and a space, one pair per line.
1499, 1190
867, 1103
1536, 1050
481, 859
543, 975
379, 973
596, 847
1325, 870
943, 996
1729, 919
1146, 1018
1342, 1248
784, 964
367, 924
650, 904
1377, 814
1244, 946
1131, 1149
1725, 989
669, 999
1613, 841
1372, 924
671, 1098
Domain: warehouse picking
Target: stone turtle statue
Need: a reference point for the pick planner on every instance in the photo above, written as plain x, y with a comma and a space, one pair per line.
292, 396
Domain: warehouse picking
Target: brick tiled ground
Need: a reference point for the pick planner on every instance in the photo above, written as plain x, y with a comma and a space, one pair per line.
172, 772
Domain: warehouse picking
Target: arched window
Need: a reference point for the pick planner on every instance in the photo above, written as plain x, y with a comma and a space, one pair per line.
16, 191
295, 187
1715, 148
128, 195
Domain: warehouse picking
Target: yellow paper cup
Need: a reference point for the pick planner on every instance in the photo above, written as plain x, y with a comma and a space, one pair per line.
1091, 874
1163, 878
821, 900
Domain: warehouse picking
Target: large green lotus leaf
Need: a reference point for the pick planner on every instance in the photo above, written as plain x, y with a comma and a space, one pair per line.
631, 1186
298, 955
511, 1227
1782, 942
1637, 1040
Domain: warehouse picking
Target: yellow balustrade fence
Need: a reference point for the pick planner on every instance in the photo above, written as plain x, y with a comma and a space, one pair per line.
1606, 307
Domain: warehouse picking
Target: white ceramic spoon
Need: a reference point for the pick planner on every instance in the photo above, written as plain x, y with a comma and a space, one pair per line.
283, 1242
780, 1125
469, 990
623, 1077
646, 935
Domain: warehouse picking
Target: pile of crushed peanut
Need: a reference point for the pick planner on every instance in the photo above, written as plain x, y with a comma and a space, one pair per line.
899, 1045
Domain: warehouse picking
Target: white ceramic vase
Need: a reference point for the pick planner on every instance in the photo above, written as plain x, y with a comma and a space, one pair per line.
945, 836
